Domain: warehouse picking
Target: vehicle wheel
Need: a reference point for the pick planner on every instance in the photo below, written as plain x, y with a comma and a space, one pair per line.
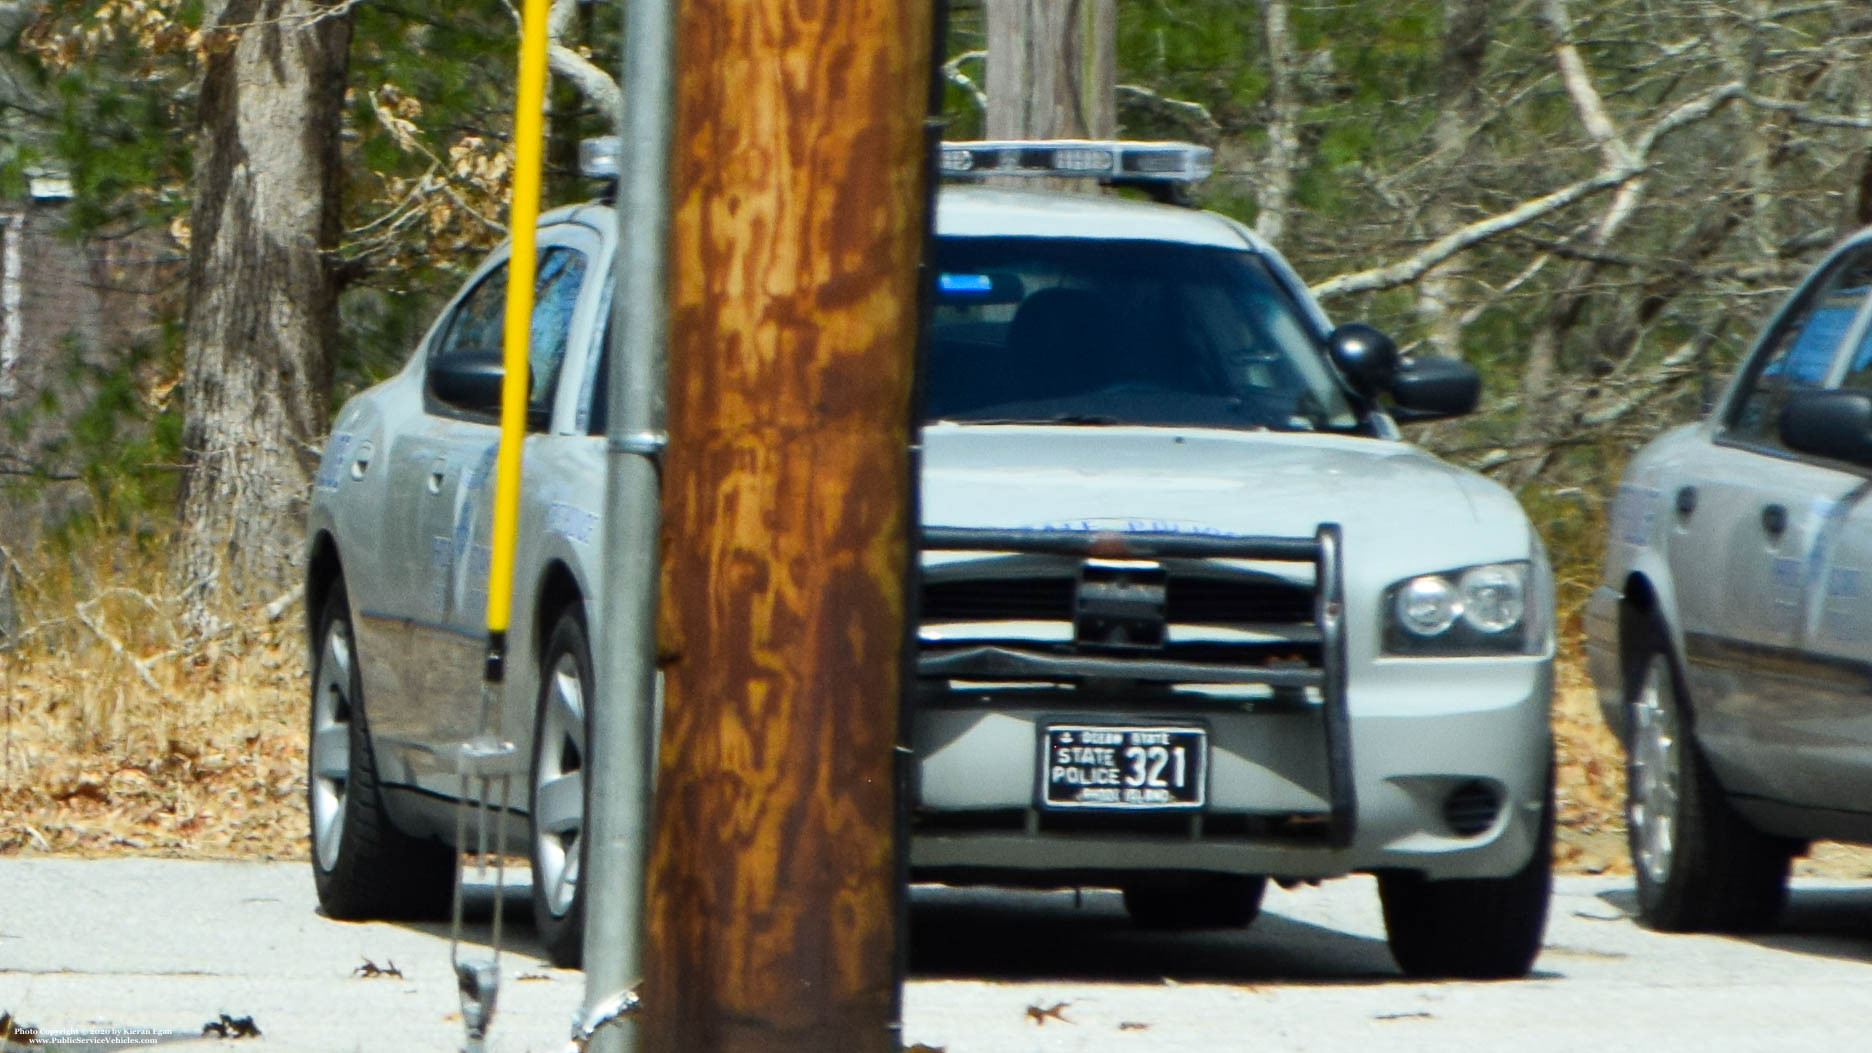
362, 865
557, 799
1472, 928
1700, 866
1195, 901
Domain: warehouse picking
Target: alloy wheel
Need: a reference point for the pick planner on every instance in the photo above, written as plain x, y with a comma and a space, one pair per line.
1656, 771
559, 786
331, 744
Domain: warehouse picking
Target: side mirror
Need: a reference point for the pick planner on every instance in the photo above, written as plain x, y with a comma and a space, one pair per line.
468, 380
471, 381
1368, 358
1833, 424
1433, 387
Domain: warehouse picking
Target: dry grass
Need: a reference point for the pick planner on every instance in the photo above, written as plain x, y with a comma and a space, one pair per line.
1590, 787
119, 736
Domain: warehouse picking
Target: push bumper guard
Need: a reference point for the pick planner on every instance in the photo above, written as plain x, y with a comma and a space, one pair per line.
1323, 550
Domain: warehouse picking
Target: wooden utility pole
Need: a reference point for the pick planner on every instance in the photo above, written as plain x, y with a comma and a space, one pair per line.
800, 199
1051, 69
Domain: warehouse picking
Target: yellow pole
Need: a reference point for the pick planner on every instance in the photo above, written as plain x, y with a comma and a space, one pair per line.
522, 265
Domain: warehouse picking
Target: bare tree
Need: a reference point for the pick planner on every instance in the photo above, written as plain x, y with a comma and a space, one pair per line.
261, 287
1459, 112
1274, 193
1050, 69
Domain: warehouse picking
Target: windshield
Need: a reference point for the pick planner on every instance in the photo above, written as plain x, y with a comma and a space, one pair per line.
1074, 330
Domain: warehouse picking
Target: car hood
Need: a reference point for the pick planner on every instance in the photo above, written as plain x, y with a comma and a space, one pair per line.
1394, 502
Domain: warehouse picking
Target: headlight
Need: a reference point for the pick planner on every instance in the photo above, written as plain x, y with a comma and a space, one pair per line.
1490, 609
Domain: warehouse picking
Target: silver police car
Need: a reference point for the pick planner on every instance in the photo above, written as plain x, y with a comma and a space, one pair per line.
1193, 617
1729, 638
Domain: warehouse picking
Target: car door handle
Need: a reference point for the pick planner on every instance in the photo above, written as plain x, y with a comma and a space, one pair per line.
361, 463
437, 473
1686, 502
1774, 520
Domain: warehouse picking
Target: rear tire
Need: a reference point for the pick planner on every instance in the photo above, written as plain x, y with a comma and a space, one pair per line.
1472, 928
363, 866
1700, 866
1195, 901
557, 799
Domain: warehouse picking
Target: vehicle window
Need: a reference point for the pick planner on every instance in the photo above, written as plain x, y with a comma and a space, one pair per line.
479, 322
1799, 355
561, 273
1130, 332
595, 402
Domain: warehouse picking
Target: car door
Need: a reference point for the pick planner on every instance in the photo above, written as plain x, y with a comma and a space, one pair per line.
1829, 722
427, 463
452, 646
1753, 526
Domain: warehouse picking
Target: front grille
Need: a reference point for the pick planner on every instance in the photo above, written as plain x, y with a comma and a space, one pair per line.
998, 599
1190, 613
1222, 600
1190, 599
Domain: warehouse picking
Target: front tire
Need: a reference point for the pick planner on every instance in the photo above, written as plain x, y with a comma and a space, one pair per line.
1195, 901
1472, 928
1700, 866
363, 866
557, 800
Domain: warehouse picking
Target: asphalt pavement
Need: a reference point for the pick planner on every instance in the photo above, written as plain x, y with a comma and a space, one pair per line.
96, 953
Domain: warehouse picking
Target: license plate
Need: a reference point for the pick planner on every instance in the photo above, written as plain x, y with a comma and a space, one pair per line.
1124, 767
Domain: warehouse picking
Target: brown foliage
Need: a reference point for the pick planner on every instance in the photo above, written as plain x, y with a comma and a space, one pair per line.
113, 738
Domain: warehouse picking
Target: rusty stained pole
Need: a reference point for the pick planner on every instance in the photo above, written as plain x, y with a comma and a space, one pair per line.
800, 173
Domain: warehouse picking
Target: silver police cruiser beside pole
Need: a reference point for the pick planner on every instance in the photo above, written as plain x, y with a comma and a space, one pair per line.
1193, 616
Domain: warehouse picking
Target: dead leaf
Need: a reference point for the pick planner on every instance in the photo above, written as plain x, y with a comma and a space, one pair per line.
370, 970
1041, 1014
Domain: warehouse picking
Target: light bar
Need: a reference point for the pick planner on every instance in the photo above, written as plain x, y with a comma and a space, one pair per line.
1112, 161
601, 157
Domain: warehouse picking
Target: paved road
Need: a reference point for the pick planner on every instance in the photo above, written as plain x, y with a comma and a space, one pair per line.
168, 945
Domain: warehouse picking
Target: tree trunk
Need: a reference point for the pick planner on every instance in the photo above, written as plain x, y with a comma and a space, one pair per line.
1441, 293
261, 291
787, 494
1052, 74
1051, 69
1274, 197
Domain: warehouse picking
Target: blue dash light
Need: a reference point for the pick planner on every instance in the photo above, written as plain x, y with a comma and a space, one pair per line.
965, 283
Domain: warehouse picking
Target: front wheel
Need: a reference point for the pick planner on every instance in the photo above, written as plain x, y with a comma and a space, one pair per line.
1700, 866
1472, 928
362, 865
557, 799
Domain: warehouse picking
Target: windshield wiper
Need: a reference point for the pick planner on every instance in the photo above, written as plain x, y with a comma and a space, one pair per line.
1057, 418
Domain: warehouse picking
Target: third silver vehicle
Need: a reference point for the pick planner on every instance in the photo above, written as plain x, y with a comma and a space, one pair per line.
1731, 637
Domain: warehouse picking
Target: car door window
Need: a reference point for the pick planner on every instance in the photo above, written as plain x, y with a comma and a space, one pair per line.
1799, 354
561, 274
479, 322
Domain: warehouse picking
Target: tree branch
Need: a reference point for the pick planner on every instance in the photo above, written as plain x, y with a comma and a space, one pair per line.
1194, 112
1414, 266
1610, 175
587, 76
952, 72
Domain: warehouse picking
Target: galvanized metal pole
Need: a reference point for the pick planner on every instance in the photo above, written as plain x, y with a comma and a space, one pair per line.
622, 762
